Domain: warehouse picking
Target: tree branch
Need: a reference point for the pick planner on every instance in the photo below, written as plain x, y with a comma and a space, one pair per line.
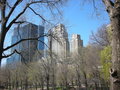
14, 20
45, 1
18, 1
5, 56
15, 51
8, 5
37, 13
13, 8
109, 5
37, 38
96, 40
3, 6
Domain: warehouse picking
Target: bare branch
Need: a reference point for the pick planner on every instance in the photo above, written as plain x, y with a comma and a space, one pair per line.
37, 38
57, 9
94, 5
44, 1
14, 20
53, 5
44, 43
5, 56
37, 14
13, 8
97, 41
15, 51
20, 55
22, 12
8, 5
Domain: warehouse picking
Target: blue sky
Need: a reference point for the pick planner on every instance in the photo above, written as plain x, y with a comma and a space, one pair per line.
78, 18
82, 19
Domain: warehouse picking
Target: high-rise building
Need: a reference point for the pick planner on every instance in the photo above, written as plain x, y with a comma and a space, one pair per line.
27, 48
76, 44
59, 41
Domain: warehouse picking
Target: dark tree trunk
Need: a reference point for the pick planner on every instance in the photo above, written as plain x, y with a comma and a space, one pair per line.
42, 83
95, 85
115, 21
36, 86
79, 83
21, 85
53, 81
26, 83
113, 9
85, 77
78, 80
3, 29
47, 82
115, 71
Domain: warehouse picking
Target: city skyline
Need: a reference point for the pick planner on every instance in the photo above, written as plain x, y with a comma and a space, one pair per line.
61, 45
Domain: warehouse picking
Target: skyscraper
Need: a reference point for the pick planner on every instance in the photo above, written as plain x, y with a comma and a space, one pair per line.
59, 41
76, 44
27, 48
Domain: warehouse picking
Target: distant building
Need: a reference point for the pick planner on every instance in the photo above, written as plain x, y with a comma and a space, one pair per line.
27, 48
59, 41
76, 44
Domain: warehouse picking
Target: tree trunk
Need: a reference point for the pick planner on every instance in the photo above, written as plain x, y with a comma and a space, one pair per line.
36, 86
116, 52
26, 83
47, 82
78, 80
42, 83
115, 23
3, 28
113, 9
53, 81
85, 77
21, 85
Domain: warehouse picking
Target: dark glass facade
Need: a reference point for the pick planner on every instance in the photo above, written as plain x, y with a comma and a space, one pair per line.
27, 48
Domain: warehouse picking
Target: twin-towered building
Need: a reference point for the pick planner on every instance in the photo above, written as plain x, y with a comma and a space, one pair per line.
76, 44
58, 42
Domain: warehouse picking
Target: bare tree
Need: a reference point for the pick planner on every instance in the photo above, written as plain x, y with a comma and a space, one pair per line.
8, 10
92, 59
101, 37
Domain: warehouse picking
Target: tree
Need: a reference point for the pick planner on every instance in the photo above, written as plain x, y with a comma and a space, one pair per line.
92, 64
105, 56
10, 16
113, 9
101, 37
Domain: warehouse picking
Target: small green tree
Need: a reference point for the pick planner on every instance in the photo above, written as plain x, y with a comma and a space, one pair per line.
105, 57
